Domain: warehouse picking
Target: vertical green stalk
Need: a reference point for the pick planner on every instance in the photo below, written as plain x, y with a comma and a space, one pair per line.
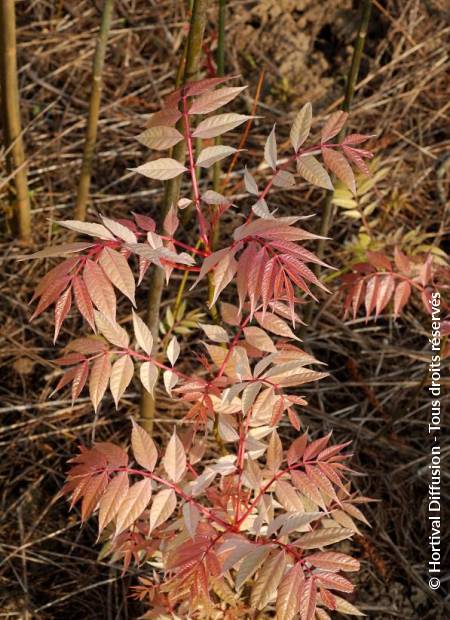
220, 72
349, 92
12, 131
352, 77
94, 109
171, 195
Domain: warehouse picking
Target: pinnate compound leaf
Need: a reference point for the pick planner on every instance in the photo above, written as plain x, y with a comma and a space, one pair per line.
301, 126
98, 381
121, 374
211, 101
288, 599
174, 459
268, 580
163, 505
312, 170
148, 374
219, 124
100, 289
211, 154
88, 228
160, 137
333, 125
112, 499
337, 163
308, 599
161, 169
270, 150
133, 504
142, 333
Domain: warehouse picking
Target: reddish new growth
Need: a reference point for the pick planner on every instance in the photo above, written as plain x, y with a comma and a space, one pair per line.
377, 282
249, 530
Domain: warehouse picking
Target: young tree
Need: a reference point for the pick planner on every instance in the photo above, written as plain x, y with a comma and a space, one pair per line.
249, 529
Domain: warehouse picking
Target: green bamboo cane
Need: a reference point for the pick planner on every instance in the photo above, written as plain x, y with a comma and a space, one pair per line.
171, 195
220, 72
15, 159
327, 212
94, 110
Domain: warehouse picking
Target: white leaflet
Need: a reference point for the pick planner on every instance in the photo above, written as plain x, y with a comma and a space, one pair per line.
215, 332
191, 516
173, 351
183, 203
174, 459
121, 374
143, 335
270, 150
261, 209
161, 169
219, 124
120, 231
283, 178
149, 375
212, 100
301, 126
211, 154
170, 380
163, 505
113, 332
88, 228
160, 137
250, 183
313, 171
214, 198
